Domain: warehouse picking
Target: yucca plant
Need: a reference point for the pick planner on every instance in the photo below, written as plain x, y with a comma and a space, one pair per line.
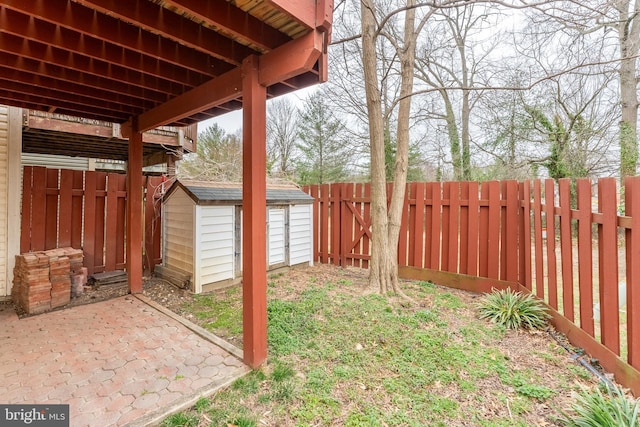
513, 310
593, 408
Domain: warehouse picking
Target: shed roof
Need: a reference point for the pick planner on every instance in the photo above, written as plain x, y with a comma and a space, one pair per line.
225, 193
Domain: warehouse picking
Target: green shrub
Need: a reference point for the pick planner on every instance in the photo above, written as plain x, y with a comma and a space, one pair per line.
594, 408
513, 310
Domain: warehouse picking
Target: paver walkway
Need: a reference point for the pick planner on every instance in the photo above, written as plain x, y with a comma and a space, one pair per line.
118, 362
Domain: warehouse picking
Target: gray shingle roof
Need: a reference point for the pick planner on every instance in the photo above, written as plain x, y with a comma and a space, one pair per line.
211, 193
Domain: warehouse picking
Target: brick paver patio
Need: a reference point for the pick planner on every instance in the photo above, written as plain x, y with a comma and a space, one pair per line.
118, 362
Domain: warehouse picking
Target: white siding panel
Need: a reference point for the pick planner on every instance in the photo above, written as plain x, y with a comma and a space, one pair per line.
55, 162
216, 243
276, 236
300, 234
4, 144
178, 231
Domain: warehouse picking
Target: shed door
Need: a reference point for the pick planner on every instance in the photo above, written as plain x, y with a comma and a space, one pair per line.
276, 249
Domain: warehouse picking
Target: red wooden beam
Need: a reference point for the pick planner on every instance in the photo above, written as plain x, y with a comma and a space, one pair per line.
70, 62
221, 14
134, 212
303, 11
217, 91
285, 62
115, 32
69, 88
291, 59
254, 204
28, 28
159, 20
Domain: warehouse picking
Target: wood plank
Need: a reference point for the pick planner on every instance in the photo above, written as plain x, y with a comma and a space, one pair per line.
503, 234
26, 218
446, 218
418, 224
111, 222
90, 220
403, 250
325, 231
525, 235
632, 259
64, 216
366, 247
473, 228
454, 226
51, 209
336, 203
464, 227
585, 255
428, 219
483, 250
313, 191
38, 209
566, 248
493, 237
122, 200
537, 237
76, 209
549, 205
100, 221
512, 231
608, 264
436, 206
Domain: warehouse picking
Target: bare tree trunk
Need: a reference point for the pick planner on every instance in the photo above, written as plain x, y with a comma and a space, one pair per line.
380, 264
386, 223
629, 40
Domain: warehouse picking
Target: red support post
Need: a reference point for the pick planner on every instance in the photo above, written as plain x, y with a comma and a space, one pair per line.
134, 210
254, 204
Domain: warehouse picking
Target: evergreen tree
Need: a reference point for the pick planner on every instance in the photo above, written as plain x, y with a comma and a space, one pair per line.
324, 154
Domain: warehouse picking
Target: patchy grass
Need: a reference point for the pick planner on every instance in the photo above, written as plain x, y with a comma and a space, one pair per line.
340, 355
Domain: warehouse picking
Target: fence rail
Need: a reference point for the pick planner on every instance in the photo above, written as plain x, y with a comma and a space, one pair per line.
85, 210
575, 245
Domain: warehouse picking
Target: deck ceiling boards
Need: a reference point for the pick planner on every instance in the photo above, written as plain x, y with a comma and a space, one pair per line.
168, 62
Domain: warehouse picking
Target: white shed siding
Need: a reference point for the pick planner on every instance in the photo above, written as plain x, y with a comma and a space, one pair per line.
178, 219
54, 161
5, 288
276, 235
10, 193
216, 234
300, 238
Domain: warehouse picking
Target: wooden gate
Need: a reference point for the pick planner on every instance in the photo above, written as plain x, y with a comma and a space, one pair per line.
85, 210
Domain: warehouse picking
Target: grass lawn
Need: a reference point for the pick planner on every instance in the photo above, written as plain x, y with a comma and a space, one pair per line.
340, 355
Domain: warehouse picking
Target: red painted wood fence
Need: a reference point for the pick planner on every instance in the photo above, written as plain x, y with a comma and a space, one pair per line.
85, 210
577, 247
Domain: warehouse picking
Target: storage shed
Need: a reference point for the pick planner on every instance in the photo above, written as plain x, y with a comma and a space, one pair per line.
202, 234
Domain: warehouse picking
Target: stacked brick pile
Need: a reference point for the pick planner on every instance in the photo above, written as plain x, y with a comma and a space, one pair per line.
31, 285
43, 280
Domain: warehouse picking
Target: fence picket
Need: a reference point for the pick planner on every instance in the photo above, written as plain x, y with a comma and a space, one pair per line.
493, 239
566, 247
608, 264
511, 231
585, 255
26, 217
473, 213
524, 189
632, 237
537, 237
549, 210
454, 226
483, 251
464, 228
52, 190
64, 211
